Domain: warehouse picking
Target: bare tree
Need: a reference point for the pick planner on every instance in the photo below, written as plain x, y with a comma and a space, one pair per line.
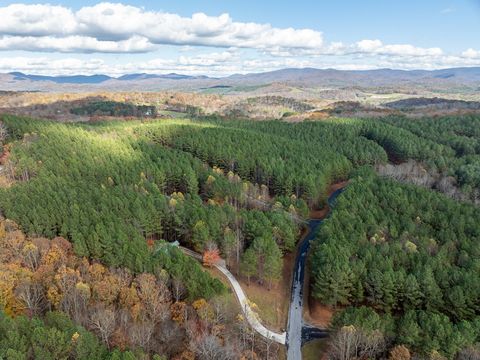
32, 296
345, 344
350, 343
124, 318
219, 310
269, 349
178, 289
31, 256
102, 321
372, 344
209, 347
141, 333
81, 295
155, 296
3, 132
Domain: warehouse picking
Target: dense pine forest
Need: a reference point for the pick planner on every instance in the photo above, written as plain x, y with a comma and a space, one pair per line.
405, 262
100, 205
462, 134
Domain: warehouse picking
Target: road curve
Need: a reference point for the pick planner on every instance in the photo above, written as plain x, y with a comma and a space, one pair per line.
250, 315
297, 331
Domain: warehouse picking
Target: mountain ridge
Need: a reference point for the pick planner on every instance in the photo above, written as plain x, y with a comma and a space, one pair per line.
297, 77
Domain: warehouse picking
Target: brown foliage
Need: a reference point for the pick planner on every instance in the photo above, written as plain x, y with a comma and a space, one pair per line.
124, 310
400, 352
177, 310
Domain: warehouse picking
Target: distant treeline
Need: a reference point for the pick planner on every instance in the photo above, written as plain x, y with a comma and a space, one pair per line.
113, 108
435, 103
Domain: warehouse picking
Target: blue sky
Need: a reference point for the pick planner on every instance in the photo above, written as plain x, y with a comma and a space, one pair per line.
231, 36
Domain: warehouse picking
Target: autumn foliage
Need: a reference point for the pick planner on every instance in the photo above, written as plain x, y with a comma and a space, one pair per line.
125, 310
211, 257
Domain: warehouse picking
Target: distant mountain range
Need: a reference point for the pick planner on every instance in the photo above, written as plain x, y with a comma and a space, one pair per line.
97, 79
306, 77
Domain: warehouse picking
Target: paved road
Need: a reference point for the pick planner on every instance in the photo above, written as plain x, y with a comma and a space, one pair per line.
250, 315
297, 331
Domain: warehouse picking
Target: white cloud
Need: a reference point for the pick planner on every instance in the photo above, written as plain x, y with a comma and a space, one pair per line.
48, 66
238, 47
369, 45
213, 64
37, 20
377, 47
471, 54
222, 64
75, 44
114, 22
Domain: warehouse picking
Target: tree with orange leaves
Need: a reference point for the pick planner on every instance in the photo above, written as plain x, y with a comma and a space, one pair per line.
211, 257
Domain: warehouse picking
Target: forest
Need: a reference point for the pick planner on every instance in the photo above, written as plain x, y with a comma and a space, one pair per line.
402, 261
114, 108
57, 305
107, 202
462, 134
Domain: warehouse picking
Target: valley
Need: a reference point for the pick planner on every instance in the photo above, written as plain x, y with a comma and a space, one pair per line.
239, 180
121, 192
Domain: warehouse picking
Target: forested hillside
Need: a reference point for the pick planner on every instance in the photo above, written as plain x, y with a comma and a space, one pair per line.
462, 134
397, 261
405, 261
49, 297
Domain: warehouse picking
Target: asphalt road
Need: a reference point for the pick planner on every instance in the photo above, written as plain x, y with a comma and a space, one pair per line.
297, 331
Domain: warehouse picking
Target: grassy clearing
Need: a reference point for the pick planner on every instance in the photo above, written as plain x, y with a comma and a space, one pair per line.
272, 305
314, 350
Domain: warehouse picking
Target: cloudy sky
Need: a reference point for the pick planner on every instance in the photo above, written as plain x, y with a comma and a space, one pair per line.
222, 37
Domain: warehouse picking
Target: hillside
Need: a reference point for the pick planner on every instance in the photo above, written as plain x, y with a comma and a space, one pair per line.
120, 193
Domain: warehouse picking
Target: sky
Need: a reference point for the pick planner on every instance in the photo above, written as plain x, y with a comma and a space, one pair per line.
223, 37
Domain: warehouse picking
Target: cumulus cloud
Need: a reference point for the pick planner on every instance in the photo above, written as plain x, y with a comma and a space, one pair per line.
37, 20
471, 54
377, 47
107, 28
98, 27
75, 44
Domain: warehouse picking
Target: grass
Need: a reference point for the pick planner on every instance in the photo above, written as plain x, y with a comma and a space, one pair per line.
314, 350
272, 305
269, 305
